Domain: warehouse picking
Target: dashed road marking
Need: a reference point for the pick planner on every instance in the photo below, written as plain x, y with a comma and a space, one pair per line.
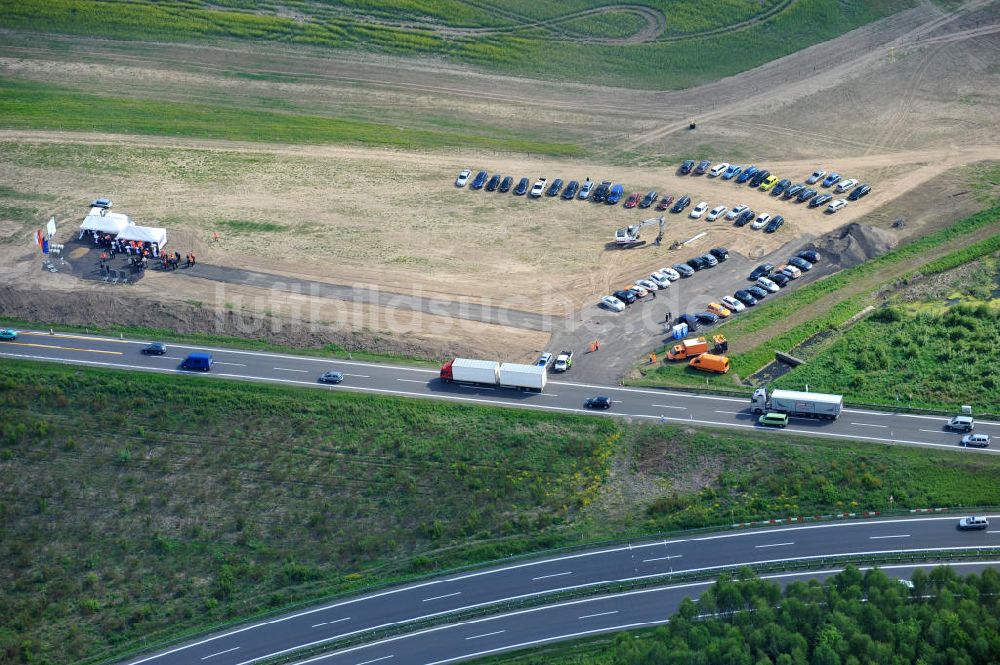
545, 577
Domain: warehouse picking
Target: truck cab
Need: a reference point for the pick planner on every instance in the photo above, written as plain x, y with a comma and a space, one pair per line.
563, 361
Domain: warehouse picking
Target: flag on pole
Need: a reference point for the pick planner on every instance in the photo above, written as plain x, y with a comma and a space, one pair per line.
51, 227
45, 245
38, 238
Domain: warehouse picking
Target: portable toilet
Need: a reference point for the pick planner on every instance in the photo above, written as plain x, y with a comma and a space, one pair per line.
680, 331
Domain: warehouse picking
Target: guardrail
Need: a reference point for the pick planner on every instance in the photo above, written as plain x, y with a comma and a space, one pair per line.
818, 564
142, 646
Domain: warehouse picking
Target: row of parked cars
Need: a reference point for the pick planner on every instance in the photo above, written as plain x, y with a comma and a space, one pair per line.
784, 187
500, 183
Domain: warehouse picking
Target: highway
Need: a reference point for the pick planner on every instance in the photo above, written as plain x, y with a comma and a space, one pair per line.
561, 395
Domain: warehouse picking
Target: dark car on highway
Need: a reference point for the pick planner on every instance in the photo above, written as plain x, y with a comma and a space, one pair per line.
331, 377
782, 185
806, 194
649, 199
800, 263
810, 255
817, 201
555, 187
774, 224
746, 216
494, 182
763, 270
702, 167
758, 292
627, 296
759, 177
505, 185
571, 189
858, 192
720, 253
687, 166
682, 202
748, 173
480, 180
599, 402
522, 187
155, 349
745, 297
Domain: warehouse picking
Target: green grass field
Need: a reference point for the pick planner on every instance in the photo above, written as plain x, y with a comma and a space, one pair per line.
697, 44
137, 506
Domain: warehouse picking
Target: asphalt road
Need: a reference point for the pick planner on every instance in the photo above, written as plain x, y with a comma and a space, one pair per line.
561, 394
525, 578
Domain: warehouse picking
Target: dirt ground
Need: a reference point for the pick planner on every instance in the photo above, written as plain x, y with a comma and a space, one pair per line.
894, 104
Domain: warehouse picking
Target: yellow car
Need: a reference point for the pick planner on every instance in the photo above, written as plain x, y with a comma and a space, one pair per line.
718, 310
768, 183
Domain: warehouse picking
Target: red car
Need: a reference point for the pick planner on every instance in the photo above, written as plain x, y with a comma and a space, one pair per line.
633, 200
665, 202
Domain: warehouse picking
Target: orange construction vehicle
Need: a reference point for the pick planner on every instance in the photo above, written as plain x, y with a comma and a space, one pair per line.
688, 348
709, 362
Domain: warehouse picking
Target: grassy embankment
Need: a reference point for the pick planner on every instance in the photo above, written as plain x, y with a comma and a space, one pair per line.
139, 507
696, 47
838, 298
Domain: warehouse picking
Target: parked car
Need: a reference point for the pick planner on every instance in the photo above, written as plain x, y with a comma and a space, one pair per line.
544, 360
571, 189
702, 167
748, 173
961, 424
691, 320
800, 263
768, 285
774, 224
836, 205
682, 202
758, 292
716, 212
733, 304
665, 202
480, 180
970, 523
687, 166
746, 216
706, 318
745, 297
505, 184
612, 303
815, 177
627, 296
615, 195
858, 192
649, 199
791, 271
736, 212
463, 177
709, 260
599, 402
721, 253
719, 310
780, 279
817, 201
494, 182
684, 269
763, 270
759, 177
762, 219
793, 191
845, 185
810, 255
522, 187
555, 187
331, 377
671, 274
585, 189
648, 284
831, 180
697, 263
768, 183
779, 188
699, 210
976, 440
538, 188
718, 169
806, 194
774, 419
731, 172
660, 279
602, 191
154, 349
640, 292
632, 200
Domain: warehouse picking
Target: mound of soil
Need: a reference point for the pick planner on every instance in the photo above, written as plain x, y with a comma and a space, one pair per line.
853, 244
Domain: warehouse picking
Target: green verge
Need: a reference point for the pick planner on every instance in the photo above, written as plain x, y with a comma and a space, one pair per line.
141, 507
28, 105
697, 46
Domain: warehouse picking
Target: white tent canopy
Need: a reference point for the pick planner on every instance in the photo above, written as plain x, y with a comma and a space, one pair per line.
144, 234
109, 222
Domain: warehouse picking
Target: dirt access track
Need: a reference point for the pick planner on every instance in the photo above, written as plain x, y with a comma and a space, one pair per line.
895, 104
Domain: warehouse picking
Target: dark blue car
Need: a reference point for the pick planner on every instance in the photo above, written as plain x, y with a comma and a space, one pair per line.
480, 180
571, 189
522, 187
615, 195
748, 173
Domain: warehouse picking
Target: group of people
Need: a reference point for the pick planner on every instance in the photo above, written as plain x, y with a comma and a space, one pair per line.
135, 248
172, 262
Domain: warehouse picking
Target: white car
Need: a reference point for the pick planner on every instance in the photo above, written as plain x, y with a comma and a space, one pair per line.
463, 178
716, 212
538, 187
816, 176
761, 221
699, 210
612, 303
718, 169
671, 274
845, 185
736, 212
647, 284
765, 283
585, 190
733, 304
836, 205
791, 271
660, 279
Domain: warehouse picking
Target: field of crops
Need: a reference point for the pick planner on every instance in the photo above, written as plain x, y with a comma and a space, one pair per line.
684, 42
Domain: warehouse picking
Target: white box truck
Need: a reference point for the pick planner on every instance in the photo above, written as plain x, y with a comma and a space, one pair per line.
796, 403
493, 374
523, 377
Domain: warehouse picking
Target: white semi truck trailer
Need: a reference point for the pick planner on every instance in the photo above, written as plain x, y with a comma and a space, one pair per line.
494, 374
796, 403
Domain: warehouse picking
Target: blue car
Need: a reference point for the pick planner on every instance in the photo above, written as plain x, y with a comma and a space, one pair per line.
732, 172
522, 187
480, 180
748, 173
831, 180
615, 195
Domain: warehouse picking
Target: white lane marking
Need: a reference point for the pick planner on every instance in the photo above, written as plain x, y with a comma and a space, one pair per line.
732, 413
330, 623
219, 362
870, 425
368, 662
548, 395
599, 614
932, 431
169, 357
219, 653
663, 558
495, 632
413, 381
545, 577
670, 406
905, 535
993, 532
288, 369
357, 376
317, 625
870, 413
447, 595
544, 640
774, 545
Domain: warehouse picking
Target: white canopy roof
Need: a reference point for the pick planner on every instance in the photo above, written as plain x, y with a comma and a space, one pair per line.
109, 222
144, 234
